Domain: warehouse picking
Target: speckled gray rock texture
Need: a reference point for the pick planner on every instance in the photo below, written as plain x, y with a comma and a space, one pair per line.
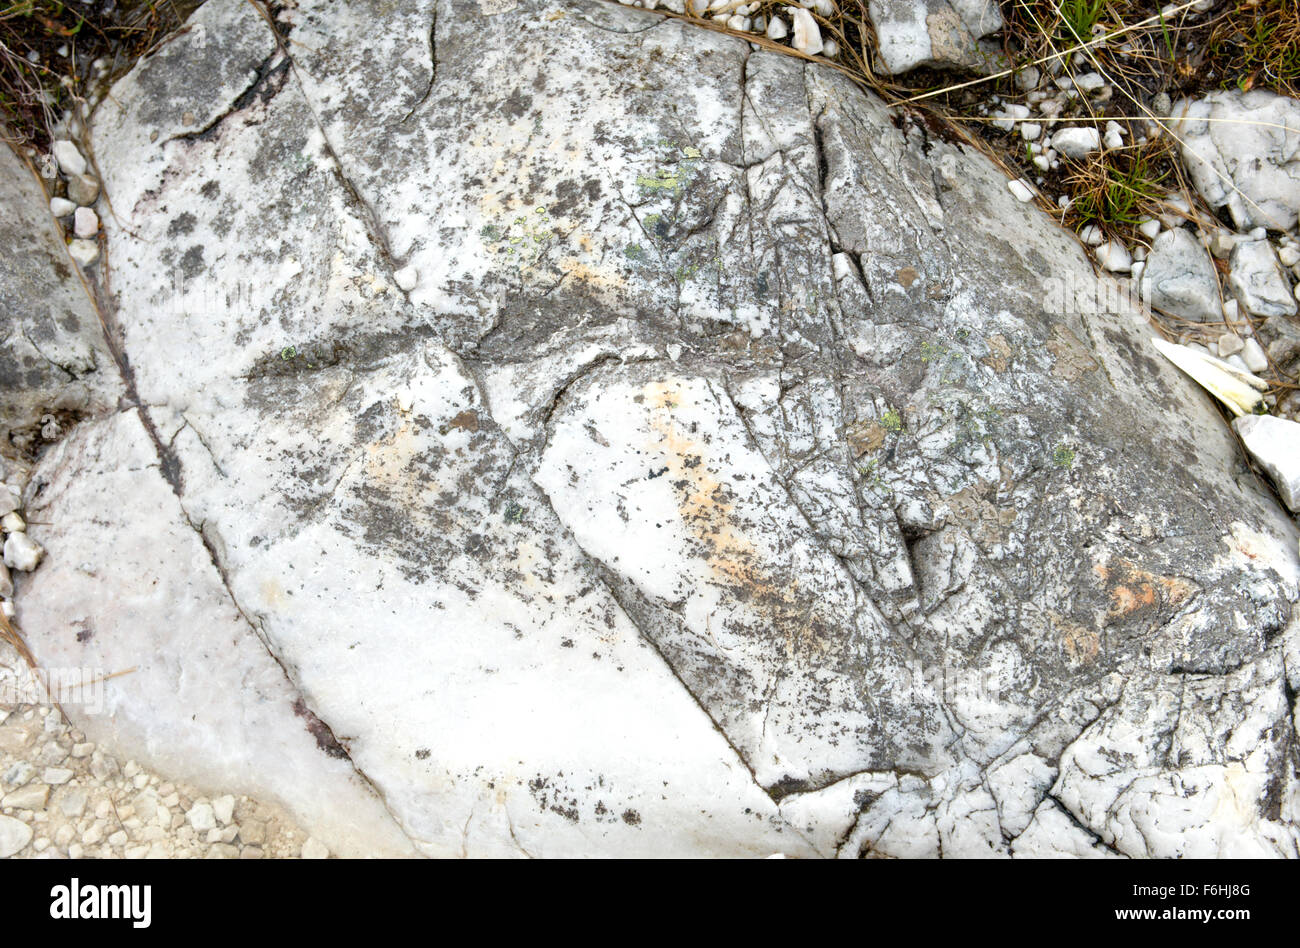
734, 467
54, 363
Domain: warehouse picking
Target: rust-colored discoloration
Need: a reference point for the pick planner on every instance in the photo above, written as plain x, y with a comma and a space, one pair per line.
1082, 645
1135, 592
907, 276
865, 437
1072, 361
707, 509
466, 420
999, 357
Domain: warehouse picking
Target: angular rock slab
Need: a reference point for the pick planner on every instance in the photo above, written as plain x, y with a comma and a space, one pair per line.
1242, 150
128, 598
942, 33
742, 469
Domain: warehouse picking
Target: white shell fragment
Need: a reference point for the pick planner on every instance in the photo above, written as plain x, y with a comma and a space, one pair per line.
807, 35
1239, 390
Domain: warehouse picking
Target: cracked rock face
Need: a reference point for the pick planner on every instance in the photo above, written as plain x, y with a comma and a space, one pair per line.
562, 459
1242, 150
55, 367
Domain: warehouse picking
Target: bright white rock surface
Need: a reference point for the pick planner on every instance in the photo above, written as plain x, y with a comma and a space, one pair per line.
1275, 444
741, 476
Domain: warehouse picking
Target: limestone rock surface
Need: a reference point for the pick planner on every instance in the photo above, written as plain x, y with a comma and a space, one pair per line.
546, 457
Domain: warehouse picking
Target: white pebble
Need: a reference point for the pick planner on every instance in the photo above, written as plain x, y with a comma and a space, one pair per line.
13, 523
1149, 228
1253, 355
1021, 189
22, 553
1289, 256
69, 159
1029, 131
201, 817
1114, 256
1230, 344
61, 207
1076, 142
85, 252
85, 223
776, 30
224, 809
1007, 118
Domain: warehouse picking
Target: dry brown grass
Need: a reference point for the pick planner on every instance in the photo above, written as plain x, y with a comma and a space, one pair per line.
66, 39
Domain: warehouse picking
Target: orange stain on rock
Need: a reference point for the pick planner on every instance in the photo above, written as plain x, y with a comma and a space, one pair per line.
707, 509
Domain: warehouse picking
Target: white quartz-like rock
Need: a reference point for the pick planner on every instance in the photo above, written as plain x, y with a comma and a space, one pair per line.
807, 35
1077, 141
1243, 152
22, 553
69, 157
1275, 444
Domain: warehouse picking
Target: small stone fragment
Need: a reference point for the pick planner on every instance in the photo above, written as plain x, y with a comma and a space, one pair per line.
807, 35
224, 809
31, 797
22, 553
83, 189
1114, 256
14, 836
201, 817
1076, 143
85, 252
69, 158
1275, 444
85, 223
